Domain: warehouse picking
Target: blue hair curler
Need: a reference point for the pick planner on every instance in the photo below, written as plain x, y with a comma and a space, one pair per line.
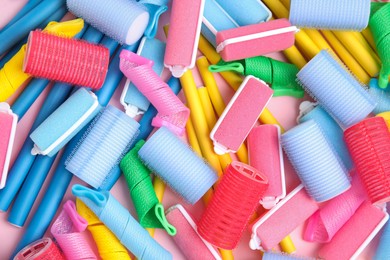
383, 250
155, 8
381, 96
25, 9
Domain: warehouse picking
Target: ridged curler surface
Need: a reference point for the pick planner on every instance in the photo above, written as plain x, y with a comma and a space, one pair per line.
177, 165
71, 61
316, 163
42, 249
123, 20
172, 113
381, 96
369, 145
235, 199
328, 81
102, 146
331, 14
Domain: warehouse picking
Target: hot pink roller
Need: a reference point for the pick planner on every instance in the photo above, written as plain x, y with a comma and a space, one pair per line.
255, 40
282, 219
8, 122
183, 35
265, 154
240, 115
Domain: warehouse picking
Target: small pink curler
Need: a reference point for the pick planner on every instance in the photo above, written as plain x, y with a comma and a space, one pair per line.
42, 249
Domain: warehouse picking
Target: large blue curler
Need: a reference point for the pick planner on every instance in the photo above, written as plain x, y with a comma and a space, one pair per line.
330, 14
177, 165
383, 250
337, 91
246, 12
134, 102
332, 131
381, 96
215, 19
118, 219
317, 165
123, 20
25, 9
156, 8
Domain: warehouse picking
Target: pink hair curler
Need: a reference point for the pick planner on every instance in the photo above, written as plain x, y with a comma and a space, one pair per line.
42, 249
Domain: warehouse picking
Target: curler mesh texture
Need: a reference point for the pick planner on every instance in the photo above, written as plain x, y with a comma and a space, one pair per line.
42, 249
381, 97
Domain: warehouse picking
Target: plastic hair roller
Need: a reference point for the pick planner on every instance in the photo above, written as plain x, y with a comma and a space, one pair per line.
240, 115
381, 97
41, 249
383, 252
369, 143
155, 8
71, 61
319, 168
234, 201
177, 165
255, 40
65, 122
111, 131
123, 20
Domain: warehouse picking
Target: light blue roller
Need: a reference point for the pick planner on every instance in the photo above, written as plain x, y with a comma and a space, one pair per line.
132, 99
281, 256
383, 250
246, 12
178, 165
118, 219
156, 8
381, 96
215, 19
336, 90
317, 165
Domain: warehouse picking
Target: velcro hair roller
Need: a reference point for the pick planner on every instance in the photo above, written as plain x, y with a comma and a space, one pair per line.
246, 12
282, 76
319, 168
325, 223
150, 212
187, 238
8, 121
255, 40
381, 97
356, 234
42, 249
215, 19
331, 130
102, 146
380, 27
183, 35
177, 165
172, 113
331, 14
383, 249
65, 122
118, 219
266, 155
369, 145
134, 102
235, 199
338, 92
67, 60
123, 20
67, 229
240, 115
155, 8
292, 211
386, 117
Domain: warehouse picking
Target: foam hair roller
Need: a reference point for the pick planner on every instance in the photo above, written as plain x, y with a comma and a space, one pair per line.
240, 115
369, 144
266, 155
111, 131
177, 165
337, 91
292, 211
331, 130
382, 251
65, 122
234, 201
67, 229
172, 113
183, 35
356, 234
42, 249
8, 121
331, 14
67, 60
121, 223
281, 75
150, 212
134, 102
381, 97
155, 8
319, 168
123, 20
255, 40
187, 238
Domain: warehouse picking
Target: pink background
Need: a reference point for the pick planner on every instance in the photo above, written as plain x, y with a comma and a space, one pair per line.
285, 109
